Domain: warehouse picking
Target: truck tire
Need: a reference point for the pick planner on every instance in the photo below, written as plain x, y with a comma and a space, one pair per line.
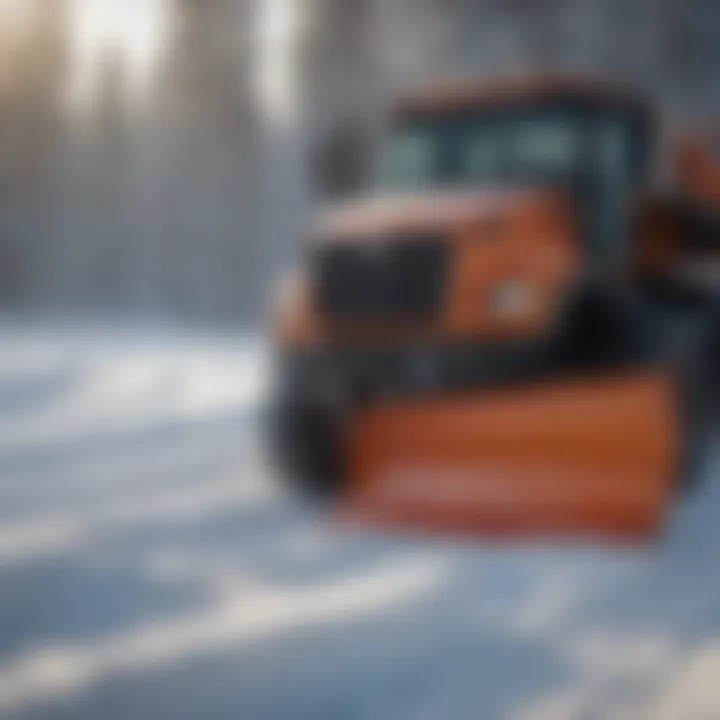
601, 330
305, 442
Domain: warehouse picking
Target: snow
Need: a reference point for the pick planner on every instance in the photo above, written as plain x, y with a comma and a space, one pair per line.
151, 567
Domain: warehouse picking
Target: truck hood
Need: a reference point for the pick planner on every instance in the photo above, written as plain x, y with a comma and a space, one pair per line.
379, 215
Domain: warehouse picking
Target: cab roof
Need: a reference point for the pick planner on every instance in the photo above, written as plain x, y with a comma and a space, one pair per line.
519, 91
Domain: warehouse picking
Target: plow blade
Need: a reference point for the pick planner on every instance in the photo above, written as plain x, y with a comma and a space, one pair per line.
590, 457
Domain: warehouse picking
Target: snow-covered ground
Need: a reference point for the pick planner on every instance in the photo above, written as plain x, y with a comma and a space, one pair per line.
151, 568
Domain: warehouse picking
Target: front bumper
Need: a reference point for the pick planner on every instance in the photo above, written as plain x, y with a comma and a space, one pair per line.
357, 374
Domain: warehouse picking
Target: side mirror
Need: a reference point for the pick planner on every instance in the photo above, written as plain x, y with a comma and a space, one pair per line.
339, 162
697, 166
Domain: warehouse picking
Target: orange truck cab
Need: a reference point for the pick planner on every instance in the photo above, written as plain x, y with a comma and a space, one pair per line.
496, 337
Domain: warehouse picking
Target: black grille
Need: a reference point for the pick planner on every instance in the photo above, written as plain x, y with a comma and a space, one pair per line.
393, 278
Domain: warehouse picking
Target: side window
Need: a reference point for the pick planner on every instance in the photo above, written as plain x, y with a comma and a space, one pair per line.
482, 156
411, 160
550, 144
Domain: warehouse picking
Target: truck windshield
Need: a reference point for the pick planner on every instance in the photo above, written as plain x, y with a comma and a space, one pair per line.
472, 149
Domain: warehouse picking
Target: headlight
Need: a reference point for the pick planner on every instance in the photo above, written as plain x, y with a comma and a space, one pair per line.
511, 298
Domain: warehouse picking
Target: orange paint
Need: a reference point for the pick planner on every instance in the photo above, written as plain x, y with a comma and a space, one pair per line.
524, 237
577, 457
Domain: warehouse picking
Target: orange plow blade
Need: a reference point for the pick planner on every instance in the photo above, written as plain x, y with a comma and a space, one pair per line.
584, 457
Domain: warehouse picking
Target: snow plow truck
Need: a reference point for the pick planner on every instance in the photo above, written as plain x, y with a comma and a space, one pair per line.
515, 332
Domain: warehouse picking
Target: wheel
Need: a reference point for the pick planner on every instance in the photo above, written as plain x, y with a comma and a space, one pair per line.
306, 447
602, 330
